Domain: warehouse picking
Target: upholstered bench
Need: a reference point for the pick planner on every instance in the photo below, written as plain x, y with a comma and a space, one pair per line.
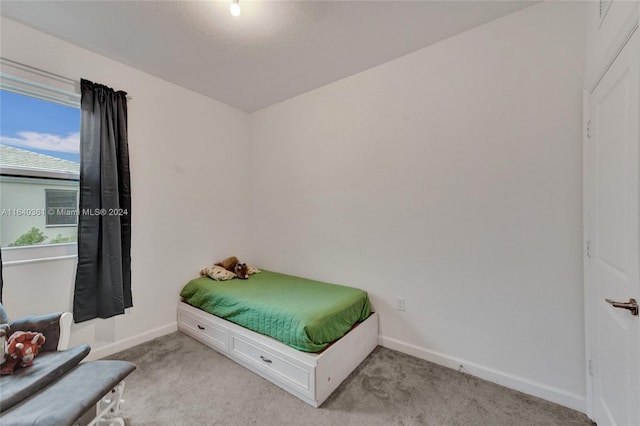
58, 389
69, 397
47, 367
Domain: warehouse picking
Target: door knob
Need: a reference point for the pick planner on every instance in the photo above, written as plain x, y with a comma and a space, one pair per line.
631, 305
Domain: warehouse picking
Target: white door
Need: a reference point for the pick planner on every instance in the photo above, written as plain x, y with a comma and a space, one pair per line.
613, 255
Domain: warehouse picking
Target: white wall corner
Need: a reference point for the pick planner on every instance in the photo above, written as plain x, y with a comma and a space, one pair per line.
121, 345
549, 393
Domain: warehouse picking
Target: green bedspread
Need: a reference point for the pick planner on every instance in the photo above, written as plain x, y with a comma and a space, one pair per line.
304, 314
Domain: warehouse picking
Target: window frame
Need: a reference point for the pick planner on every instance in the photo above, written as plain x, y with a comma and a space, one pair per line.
36, 83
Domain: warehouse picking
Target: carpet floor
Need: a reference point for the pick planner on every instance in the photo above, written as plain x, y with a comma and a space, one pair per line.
179, 381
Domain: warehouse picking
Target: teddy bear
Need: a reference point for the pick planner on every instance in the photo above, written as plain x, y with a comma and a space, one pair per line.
232, 264
22, 348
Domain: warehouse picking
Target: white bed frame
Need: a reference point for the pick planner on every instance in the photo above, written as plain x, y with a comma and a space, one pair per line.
308, 376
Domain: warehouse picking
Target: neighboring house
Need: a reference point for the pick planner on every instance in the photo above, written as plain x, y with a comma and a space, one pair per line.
38, 191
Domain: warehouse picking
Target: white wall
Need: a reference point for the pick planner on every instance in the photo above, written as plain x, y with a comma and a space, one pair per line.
450, 177
190, 182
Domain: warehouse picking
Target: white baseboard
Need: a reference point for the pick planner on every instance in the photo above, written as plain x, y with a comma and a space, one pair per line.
559, 396
130, 342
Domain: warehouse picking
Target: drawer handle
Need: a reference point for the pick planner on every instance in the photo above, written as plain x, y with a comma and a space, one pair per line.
267, 360
200, 327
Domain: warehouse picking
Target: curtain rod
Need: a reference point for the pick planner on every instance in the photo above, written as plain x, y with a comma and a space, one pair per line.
35, 70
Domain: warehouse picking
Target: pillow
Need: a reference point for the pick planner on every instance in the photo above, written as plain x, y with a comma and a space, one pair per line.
252, 270
217, 273
3, 315
4, 334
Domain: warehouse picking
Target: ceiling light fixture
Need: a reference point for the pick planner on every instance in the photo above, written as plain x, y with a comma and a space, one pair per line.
235, 7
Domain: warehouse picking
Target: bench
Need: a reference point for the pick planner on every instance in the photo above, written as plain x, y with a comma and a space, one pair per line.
59, 389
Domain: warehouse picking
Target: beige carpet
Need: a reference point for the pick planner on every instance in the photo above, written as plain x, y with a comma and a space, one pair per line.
182, 382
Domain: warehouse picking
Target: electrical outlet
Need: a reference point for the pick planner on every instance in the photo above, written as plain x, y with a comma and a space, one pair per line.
400, 303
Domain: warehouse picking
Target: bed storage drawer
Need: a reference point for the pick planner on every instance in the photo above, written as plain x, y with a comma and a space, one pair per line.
203, 329
312, 377
290, 372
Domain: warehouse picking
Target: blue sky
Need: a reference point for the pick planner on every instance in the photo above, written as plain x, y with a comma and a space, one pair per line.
40, 126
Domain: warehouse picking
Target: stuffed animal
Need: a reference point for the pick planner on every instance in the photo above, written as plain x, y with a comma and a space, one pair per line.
228, 269
229, 263
4, 332
232, 264
241, 271
23, 347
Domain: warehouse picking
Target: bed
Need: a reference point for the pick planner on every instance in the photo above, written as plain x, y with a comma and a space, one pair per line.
305, 336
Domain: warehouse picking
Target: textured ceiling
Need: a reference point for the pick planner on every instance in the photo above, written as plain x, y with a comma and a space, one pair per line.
273, 51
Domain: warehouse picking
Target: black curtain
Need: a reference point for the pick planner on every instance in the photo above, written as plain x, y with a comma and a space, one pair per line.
103, 278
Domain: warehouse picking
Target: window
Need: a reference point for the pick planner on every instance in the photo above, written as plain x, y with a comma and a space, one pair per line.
61, 207
39, 160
